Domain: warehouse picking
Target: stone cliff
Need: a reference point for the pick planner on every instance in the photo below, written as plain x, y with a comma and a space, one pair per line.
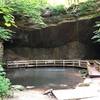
64, 40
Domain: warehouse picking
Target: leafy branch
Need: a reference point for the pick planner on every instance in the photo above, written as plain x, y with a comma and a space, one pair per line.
96, 36
7, 20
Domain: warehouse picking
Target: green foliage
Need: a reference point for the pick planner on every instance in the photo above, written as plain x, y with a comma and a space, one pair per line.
2, 3
5, 34
83, 8
72, 10
2, 72
7, 20
83, 73
96, 36
6, 13
57, 10
87, 7
29, 8
4, 86
4, 83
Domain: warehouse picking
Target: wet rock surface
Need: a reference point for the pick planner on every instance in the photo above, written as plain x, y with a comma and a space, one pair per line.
65, 40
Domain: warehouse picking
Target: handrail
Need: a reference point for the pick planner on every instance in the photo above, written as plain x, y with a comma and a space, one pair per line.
97, 62
31, 63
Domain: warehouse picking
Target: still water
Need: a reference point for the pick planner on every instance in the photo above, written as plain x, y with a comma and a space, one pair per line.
45, 77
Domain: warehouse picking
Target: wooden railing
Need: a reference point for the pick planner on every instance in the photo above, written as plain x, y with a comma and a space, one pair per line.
40, 63
97, 62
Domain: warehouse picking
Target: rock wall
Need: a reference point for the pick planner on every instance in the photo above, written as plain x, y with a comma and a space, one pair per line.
66, 40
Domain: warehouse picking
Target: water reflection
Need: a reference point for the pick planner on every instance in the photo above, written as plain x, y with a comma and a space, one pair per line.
45, 77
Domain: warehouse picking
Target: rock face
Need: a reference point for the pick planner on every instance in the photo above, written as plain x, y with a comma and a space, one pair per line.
66, 40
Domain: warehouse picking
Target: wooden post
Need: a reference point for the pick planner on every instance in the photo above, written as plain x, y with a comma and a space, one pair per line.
79, 63
63, 63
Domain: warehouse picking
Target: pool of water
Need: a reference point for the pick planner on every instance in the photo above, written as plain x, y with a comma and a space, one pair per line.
45, 77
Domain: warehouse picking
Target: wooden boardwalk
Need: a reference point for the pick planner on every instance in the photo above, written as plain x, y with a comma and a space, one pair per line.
43, 63
92, 69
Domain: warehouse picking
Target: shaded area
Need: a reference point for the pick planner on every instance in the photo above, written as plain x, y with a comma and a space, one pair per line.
65, 40
46, 77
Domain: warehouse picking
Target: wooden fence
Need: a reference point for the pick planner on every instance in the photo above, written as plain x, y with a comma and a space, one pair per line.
43, 63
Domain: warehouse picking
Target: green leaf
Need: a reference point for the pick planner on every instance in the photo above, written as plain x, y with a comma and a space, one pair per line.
4, 86
30, 8
8, 24
98, 40
95, 37
5, 34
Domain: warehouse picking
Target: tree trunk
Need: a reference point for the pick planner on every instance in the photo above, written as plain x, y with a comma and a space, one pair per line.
1, 51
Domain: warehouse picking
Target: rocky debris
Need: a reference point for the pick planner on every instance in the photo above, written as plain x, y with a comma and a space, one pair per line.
18, 87
30, 87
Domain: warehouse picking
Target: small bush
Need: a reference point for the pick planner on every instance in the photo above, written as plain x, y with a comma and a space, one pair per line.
4, 86
4, 83
88, 7
6, 13
27, 8
83, 8
58, 9
6, 20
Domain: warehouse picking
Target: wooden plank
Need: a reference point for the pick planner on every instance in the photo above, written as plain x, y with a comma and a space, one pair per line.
92, 71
